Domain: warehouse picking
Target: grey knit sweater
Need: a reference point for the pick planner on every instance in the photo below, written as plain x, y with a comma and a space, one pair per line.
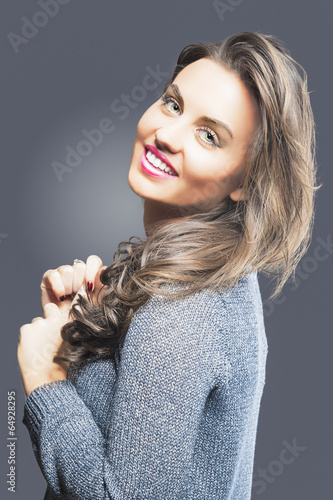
176, 419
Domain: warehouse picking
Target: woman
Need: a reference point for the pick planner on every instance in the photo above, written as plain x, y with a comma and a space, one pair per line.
156, 386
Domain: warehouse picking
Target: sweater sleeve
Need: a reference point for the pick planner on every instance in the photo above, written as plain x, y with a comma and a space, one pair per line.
171, 361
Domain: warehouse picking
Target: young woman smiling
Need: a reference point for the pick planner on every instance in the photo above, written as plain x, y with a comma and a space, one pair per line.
155, 389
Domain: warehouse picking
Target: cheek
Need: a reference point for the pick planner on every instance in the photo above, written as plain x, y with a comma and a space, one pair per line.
203, 166
232, 164
146, 123
213, 178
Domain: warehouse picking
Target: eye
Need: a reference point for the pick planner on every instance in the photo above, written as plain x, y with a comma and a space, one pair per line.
212, 141
166, 99
211, 136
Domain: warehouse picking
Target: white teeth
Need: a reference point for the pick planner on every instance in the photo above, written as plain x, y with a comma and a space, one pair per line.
157, 162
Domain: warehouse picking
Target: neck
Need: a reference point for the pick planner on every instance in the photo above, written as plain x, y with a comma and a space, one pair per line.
155, 212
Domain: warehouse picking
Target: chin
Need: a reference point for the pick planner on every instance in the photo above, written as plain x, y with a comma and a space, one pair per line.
132, 184
135, 182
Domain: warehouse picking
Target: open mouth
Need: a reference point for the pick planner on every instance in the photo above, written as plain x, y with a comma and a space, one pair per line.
158, 164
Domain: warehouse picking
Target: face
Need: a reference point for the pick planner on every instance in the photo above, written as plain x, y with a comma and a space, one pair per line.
201, 128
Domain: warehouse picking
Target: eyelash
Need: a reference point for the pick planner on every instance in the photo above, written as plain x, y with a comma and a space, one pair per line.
166, 98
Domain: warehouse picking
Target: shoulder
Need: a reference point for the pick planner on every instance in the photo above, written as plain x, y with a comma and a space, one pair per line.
240, 309
208, 305
221, 329
244, 297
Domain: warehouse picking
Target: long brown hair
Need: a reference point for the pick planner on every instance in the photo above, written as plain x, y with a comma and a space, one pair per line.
269, 231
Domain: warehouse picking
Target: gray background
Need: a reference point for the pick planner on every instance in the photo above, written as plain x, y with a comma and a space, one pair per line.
64, 80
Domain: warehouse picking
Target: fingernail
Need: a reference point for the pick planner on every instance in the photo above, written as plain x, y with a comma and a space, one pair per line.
62, 298
90, 286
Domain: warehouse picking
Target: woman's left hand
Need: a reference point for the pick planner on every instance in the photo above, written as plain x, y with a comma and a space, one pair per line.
39, 341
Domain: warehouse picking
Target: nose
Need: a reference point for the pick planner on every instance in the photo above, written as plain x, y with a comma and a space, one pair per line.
169, 138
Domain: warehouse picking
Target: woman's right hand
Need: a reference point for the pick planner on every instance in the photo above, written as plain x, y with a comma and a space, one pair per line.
61, 285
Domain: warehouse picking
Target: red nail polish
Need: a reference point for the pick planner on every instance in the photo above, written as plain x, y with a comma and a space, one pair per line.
62, 298
90, 286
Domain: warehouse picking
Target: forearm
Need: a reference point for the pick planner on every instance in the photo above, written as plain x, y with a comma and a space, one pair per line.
68, 444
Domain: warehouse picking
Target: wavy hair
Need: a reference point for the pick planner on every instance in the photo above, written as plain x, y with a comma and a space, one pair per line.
269, 231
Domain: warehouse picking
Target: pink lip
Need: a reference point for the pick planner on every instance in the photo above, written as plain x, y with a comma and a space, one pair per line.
148, 168
160, 156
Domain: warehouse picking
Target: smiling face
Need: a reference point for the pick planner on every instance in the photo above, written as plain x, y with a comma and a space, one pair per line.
207, 156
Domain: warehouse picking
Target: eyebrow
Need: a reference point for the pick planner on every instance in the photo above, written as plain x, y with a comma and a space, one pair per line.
207, 119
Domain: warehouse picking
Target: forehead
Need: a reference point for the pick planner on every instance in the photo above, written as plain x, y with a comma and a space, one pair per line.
210, 89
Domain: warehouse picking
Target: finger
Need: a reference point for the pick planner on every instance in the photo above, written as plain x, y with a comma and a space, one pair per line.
52, 281
79, 272
51, 310
81, 292
94, 263
36, 319
66, 273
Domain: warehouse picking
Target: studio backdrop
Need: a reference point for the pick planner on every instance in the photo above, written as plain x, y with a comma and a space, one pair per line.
76, 78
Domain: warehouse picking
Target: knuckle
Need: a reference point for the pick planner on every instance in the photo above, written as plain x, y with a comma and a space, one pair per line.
47, 274
53, 273
24, 328
65, 268
38, 318
94, 258
80, 265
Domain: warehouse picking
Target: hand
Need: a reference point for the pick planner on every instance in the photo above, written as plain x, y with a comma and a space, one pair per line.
65, 281
41, 339
38, 342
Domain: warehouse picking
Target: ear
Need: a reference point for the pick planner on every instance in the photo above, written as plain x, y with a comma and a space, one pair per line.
238, 195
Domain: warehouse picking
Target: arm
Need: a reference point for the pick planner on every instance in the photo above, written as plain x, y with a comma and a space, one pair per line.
170, 363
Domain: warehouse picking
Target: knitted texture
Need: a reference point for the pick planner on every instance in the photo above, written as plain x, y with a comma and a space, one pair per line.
175, 419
